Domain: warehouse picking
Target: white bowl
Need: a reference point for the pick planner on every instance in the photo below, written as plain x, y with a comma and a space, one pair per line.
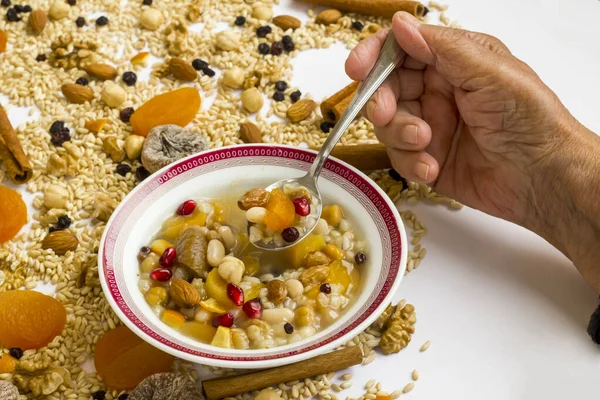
228, 172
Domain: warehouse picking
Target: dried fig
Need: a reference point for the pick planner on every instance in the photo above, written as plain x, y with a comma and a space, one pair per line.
166, 386
166, 144
191, 247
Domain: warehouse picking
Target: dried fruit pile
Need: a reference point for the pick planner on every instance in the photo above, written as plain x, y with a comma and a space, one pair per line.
91, 106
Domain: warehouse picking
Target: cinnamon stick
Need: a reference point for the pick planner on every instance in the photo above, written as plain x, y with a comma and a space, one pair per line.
380, 8
365, 157
15, 161
333, 107
220, 388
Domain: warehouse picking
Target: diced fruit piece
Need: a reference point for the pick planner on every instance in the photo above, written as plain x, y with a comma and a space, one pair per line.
172, 227
252, 265
354, 280
13, 213
280, 211
222, 338
301, 206
29, 319
297, 253
253, 292
161, 274
191, 249
187, 207
123, 359
7, 364
340, 275
290, 234
333, 252
157, 295
235, 294
167, 259
216, 287
220, 212
313, 293
380, 397
159, 246
225, 320
178, 107
200, 331
332, 214
212, 306
140, 58
305, 315
173, 318
252, 308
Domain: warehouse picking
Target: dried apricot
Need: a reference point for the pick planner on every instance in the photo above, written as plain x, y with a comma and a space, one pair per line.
7, 364
280, 211
123, 359
13, 213
29, 319
2, 41
177, 107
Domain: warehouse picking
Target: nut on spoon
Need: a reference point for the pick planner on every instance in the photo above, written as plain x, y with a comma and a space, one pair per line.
390, 57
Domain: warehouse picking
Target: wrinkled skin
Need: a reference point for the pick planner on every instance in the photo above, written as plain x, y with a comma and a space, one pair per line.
486, 122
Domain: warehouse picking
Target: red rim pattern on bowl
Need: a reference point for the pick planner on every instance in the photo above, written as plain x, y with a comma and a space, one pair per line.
158, 184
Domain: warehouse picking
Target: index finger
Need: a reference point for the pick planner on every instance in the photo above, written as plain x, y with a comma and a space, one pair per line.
362, 58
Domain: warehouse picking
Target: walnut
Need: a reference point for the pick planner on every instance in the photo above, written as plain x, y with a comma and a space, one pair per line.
395, 338
112, 148
382, 321
88, 274
252, 79
166, 386
314, 275
40, 378
69, 54
104, 207
176, 37
194, 12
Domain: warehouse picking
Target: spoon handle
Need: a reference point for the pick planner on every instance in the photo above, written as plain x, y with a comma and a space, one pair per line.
390, 57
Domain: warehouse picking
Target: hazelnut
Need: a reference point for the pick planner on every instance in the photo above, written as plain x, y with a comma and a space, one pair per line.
234, 78
252, 100
228, 40
113, 95
133, 146
262, 13
151, 18
59, 10
55, 197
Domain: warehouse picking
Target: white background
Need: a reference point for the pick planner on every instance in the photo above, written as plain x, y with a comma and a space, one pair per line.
506, 313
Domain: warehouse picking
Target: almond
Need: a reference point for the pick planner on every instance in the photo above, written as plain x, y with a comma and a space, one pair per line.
250, 133
101, 71
183, 293
330, 16
37, 20
301, 110
77, 94
286, 22
182, 70
60, 242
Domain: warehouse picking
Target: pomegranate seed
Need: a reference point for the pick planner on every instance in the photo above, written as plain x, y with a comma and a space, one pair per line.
187, 207
301, 206
252, 308
167, 259
235, 294
161, 274
225, 320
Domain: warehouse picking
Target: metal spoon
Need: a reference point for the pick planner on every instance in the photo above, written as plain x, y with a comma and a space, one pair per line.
390, 57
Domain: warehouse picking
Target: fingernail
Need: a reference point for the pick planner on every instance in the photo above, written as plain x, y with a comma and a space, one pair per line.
422, 170
409, 19
410, 134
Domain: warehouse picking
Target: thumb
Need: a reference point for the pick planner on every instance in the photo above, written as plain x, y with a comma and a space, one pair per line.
458, 55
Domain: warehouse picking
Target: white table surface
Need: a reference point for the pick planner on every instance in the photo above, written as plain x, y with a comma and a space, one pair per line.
506, 313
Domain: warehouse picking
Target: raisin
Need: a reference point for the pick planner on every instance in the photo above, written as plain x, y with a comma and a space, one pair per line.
123, 169
295, 96
18, 8
56, 126
130, 78
40, 58
60, 137
325, 127
594, 326
63, 222
288, 328
101, 21
83, 81
290, 234
124, 396
208, 72
147, 2
397, 177
12, 15
277, 48
99, 395
5, 3
278, 96
241, 20
199, 64
359, 26
281, 85
264, 48
16, 352
141, 173
72, 2
126, 113
360, 258
325, 288
288, 43
80, 22
263, 31
27, 8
